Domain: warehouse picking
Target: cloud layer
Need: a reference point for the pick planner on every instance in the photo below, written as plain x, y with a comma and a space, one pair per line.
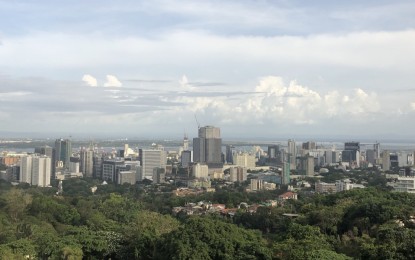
295, 67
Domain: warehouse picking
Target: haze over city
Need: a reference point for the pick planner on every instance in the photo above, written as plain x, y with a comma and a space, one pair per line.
254, 68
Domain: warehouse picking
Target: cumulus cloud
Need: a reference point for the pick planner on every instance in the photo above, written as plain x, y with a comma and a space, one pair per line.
185, 84
274, 101
112, 81
89, 80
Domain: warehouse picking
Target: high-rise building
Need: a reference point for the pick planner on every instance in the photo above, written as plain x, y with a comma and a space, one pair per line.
41, 171
63, 151
351, 153
35, 170
244, 160
207, 147
186, 158
292, 154
25, 175
49, 152
230, 151
386, 162
274, 155
185, 143
110, 168
238, 174
150, 159
286, 173
328, 157
87, 162
371, 156
309, 145
97, 168
310, 166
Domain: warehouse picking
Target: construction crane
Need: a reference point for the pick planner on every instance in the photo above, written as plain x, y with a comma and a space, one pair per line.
198, 125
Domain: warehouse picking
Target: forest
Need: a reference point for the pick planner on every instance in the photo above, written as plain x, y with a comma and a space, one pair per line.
132, 222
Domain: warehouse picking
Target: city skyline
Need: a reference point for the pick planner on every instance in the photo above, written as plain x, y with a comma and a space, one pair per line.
254, 69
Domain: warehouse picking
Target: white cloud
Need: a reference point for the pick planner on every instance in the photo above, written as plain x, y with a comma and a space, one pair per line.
90, 81
112, 81
276, 103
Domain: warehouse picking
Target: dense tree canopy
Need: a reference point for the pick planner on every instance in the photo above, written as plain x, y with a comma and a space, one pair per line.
130, 222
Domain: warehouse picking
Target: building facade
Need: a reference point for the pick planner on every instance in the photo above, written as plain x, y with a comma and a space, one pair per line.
207, 147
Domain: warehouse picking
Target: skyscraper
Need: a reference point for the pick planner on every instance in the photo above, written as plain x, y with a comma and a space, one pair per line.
63, 151
292, 154
87, 162
351, 153
207, 147
230, 151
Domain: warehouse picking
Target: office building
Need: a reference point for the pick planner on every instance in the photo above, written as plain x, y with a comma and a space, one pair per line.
97, 166
63, 152
110, 168
186, 158
207, 147
230, 151
150, 159
274, 154
351, 153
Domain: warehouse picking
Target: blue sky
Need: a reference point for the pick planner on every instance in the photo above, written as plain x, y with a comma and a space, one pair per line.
254, 68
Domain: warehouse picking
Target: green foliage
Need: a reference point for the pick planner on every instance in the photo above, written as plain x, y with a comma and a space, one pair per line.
143, 234
134, 222
204, 238
16, 201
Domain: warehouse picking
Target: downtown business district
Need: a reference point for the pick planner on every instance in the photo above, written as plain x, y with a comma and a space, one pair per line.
193, 170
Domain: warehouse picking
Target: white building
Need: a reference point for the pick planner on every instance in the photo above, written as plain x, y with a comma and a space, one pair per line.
404, 184
200, 170
346, 184
256, 184
323, 187
87, 162
35, 170
244, 160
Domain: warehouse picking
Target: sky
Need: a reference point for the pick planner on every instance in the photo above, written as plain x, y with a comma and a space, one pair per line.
256, 69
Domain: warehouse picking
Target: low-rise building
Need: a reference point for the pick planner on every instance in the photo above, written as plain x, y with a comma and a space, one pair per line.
323, 187
289, 195
403, 184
